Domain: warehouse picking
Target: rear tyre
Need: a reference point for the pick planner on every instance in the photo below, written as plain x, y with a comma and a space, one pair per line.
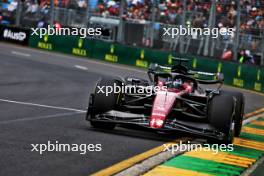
220, 114
102, 103
239, 111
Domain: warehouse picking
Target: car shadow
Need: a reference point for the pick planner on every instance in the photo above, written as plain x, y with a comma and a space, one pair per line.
137, 132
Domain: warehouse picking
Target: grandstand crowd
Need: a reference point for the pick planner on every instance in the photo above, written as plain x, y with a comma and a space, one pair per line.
165, 11
170, 11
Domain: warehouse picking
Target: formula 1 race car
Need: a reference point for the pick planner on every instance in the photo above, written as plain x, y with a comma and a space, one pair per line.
171, 100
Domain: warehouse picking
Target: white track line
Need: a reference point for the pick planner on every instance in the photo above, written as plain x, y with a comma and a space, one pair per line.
89, 60
38, 118
20, 53
82, 111
80, 67
40, 105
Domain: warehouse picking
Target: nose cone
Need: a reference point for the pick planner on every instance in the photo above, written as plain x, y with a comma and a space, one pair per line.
162, 106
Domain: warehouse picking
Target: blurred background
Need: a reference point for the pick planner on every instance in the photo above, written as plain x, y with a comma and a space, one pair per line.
141, 22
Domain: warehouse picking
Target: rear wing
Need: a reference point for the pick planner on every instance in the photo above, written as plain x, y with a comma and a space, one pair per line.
217, 77
200, 76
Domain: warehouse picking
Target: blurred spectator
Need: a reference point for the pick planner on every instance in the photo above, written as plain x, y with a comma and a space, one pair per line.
82, 4
12, 6
246, 57
227, 54
57, 25
31, 7
1, 17
252, 11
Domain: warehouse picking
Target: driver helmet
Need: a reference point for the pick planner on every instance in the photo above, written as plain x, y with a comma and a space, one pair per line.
177, 83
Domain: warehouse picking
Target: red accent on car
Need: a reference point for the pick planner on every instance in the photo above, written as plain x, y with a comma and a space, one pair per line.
162, 105
164, 102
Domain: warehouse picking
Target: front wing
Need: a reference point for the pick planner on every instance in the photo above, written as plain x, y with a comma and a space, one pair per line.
196, 128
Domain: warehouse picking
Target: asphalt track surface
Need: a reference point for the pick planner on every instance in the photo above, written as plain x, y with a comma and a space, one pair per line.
44, 96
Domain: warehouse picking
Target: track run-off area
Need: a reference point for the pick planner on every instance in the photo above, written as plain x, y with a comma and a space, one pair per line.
44, 97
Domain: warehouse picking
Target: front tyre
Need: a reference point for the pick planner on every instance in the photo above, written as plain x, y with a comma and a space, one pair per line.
102, 102
221, 116
239, 111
